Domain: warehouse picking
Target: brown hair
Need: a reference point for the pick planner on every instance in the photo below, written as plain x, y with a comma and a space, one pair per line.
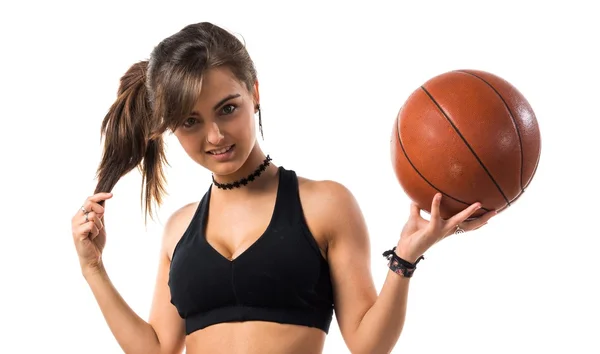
159, 94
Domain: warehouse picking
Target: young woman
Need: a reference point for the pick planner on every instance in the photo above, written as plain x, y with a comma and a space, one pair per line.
260, 264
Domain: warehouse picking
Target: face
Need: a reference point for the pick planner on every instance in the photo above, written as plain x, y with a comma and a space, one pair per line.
220, 132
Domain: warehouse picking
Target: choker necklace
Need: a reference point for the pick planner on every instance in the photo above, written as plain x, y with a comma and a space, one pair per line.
244, 181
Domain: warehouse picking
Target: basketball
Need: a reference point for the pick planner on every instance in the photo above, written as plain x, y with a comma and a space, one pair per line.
469, 135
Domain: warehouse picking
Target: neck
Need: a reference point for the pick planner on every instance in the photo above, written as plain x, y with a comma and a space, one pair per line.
253, 162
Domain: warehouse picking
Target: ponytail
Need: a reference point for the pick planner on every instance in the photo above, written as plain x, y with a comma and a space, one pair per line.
130, 141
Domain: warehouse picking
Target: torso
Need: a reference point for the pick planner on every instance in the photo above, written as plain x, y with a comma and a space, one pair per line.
232, 239
255, 338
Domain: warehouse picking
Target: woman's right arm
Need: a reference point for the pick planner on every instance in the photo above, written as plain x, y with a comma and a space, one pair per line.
164, 333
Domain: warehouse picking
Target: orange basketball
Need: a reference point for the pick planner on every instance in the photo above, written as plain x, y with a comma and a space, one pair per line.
470, 135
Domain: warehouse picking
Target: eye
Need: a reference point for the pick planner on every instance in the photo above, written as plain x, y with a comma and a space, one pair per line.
228, 109
189, 122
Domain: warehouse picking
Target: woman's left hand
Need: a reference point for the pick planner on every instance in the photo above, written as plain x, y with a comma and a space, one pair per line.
418, 234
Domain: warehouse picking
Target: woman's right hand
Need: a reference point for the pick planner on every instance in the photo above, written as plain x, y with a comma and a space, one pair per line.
88, 230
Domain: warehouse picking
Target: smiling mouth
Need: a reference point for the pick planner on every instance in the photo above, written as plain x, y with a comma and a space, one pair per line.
222, 150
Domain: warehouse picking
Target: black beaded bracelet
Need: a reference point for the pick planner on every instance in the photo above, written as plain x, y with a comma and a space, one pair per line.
399, 265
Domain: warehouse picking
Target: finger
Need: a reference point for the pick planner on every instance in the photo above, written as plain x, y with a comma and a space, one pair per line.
480, 221
98, 222
84, 231
464, 215
415, 211
90, 206
85, 218
92, 202
93, 230
98, 197
448, 232
94, 218
94, 233
435, 207
480, 226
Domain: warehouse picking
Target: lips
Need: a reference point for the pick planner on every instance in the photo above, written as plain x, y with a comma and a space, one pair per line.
220, 151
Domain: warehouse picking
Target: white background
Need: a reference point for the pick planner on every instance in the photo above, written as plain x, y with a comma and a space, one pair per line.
332, 80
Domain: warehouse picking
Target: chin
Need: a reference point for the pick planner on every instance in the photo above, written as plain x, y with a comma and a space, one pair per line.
224, 168
223, 165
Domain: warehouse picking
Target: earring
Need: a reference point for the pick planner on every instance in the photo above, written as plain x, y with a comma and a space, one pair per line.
260, 122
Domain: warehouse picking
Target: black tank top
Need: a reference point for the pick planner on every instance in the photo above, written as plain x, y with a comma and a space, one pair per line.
281, 278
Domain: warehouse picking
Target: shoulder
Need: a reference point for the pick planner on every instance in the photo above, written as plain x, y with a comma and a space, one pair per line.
176, 225
327, 192
329, 203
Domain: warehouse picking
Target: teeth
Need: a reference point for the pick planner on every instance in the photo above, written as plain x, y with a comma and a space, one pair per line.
220, 151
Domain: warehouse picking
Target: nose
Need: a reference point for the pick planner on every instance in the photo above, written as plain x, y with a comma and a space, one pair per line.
214, 134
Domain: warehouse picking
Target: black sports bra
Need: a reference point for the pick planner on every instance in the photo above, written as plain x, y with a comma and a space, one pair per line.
282, 277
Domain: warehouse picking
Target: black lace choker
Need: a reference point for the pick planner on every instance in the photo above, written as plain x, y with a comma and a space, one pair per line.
244, 181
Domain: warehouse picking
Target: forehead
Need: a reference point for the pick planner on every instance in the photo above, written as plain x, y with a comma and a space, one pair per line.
218, 83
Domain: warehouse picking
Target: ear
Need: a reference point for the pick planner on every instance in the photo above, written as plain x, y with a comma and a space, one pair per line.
256, 94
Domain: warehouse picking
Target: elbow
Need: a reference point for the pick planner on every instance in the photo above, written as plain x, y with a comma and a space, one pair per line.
156, 349
149, 347
371, 350
370, 346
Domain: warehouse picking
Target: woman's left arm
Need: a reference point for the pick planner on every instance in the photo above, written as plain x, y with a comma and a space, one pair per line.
370, 323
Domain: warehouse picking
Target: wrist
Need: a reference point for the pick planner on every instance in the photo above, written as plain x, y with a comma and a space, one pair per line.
403, 252
92, 271
400, 265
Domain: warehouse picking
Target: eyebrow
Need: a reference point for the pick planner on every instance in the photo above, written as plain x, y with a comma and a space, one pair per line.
225, 100
220, 103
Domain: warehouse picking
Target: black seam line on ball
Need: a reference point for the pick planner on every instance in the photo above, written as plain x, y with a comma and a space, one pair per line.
423, 177
467, 144
512, 117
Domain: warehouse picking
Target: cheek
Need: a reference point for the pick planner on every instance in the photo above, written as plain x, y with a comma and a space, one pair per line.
243, 128
191, 143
